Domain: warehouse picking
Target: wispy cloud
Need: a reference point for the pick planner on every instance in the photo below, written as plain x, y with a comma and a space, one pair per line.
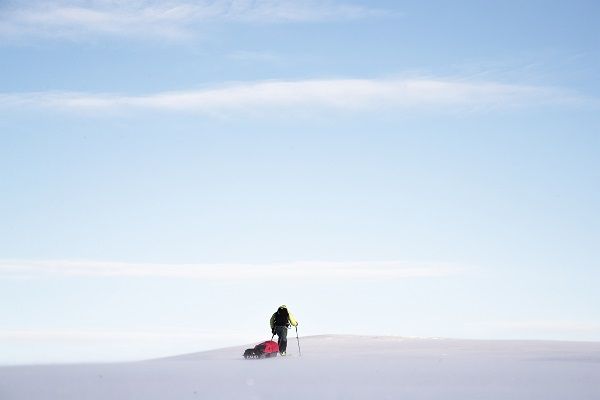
317, 270
78, 19
155, 334
538, 327
339, 94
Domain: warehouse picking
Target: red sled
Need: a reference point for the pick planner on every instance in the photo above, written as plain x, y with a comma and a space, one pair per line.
263, 350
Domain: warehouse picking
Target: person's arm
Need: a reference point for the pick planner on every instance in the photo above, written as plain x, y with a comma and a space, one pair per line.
272, 322
292, 319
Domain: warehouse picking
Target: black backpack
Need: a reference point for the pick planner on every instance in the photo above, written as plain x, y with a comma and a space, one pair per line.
282, 317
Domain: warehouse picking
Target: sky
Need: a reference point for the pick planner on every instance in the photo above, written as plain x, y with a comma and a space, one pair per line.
172, 171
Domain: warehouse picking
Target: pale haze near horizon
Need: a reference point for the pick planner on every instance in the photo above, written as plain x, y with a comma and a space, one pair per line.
172, 172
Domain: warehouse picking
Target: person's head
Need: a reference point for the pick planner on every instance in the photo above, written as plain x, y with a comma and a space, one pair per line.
282, 307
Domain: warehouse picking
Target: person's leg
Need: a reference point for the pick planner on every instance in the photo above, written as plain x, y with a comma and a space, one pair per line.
278, 333
281, 338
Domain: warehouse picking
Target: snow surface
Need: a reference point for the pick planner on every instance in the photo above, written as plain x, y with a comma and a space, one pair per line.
332, 367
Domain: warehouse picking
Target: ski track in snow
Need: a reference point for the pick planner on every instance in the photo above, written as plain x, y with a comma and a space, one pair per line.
332, 367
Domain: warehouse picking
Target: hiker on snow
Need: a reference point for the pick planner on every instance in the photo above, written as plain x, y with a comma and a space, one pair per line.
280, 322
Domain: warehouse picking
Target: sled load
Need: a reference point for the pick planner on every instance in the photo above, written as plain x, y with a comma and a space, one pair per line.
263, 350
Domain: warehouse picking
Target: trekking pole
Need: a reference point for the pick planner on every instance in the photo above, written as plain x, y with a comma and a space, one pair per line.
298, 339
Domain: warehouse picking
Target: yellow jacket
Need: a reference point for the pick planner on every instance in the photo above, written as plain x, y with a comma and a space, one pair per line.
291, 318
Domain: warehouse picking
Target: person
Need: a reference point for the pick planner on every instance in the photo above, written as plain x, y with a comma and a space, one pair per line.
280, 322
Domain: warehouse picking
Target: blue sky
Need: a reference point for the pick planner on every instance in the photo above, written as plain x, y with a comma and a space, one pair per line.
173, 171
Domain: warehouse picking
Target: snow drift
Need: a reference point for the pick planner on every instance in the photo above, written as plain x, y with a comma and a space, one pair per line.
332, 367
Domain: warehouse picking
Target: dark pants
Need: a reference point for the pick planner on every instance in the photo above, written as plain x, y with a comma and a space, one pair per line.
281, 332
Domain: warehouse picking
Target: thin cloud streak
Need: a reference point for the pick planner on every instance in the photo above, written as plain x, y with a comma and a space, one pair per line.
70, 335
311, 95
308, 270
170, 19
539, 326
